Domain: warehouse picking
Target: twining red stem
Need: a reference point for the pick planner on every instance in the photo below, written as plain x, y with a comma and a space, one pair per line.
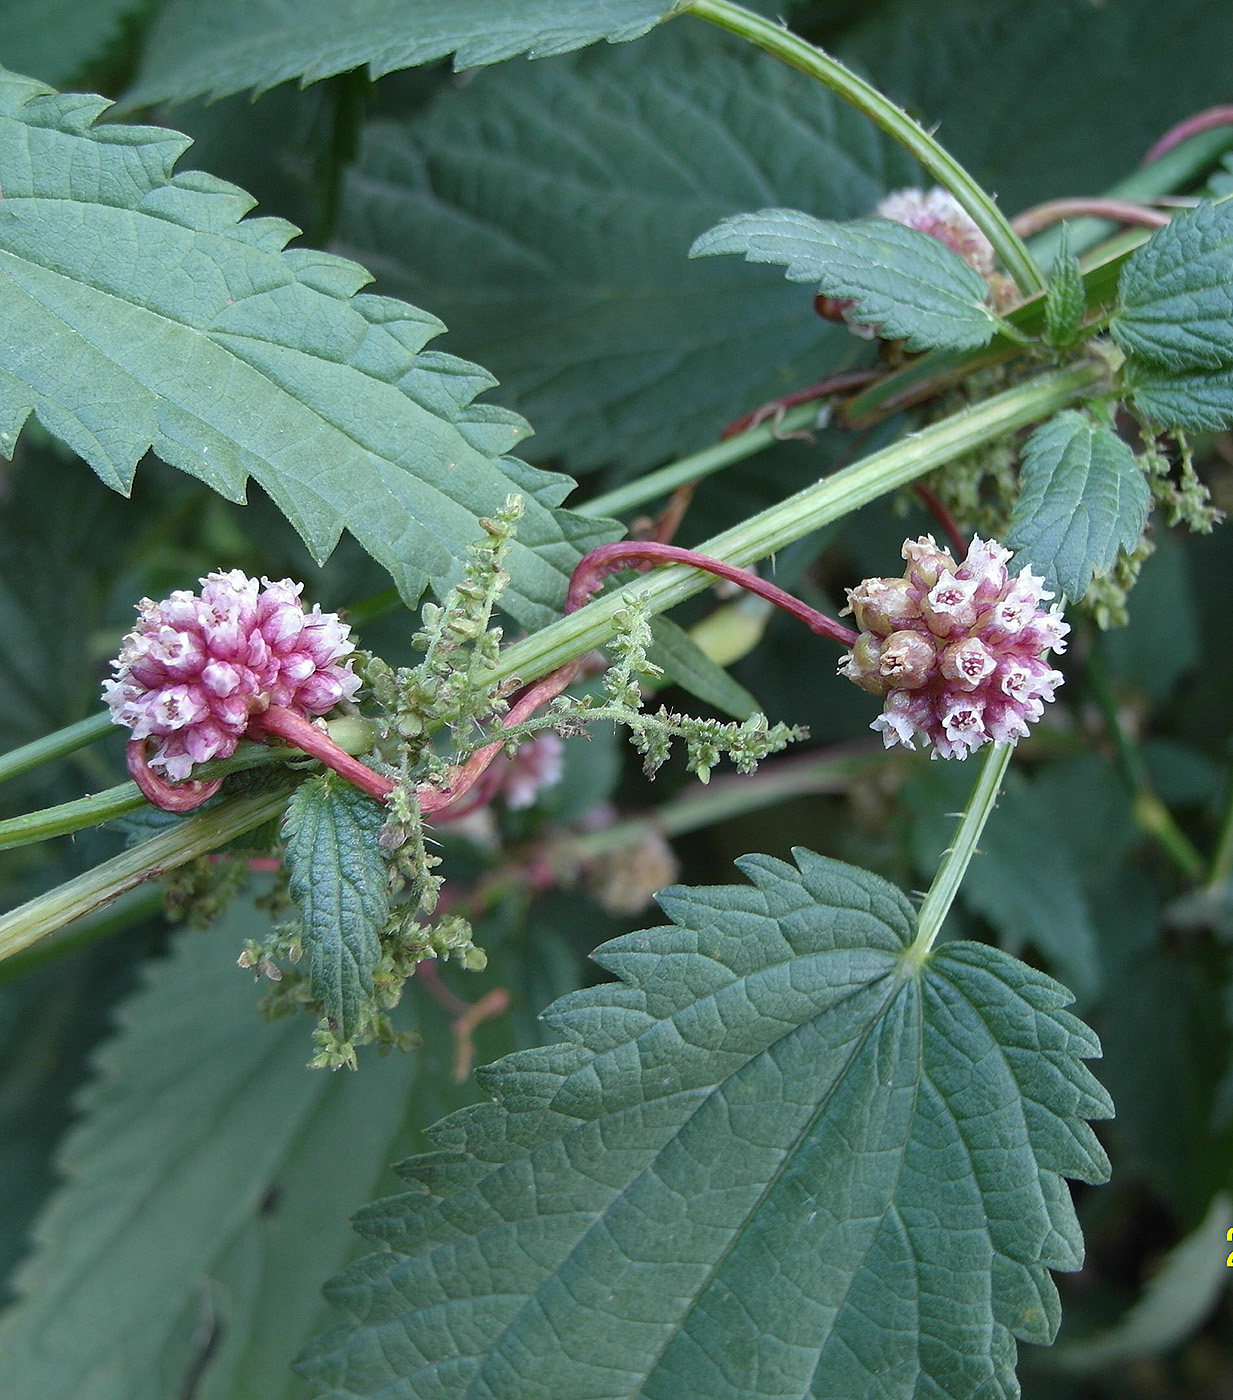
1202, 121
467, 774
1043, 216
835, 384
297, 729
643, 555
171, 797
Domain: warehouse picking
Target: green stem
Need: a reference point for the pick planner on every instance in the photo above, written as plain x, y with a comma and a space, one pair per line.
68, 817
105, 806
723, 798
955, 863
46, 750
1173, 171
800, 515
711, 459
947, 171
194, 836
129, 909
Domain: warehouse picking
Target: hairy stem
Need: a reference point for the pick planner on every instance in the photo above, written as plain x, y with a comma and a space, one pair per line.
955, 862
697, 465
944, 168
113, 802
805, 512
46, 750
194, 836
625, 554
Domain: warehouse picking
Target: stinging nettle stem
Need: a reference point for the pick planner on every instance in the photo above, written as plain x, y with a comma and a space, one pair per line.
944, 168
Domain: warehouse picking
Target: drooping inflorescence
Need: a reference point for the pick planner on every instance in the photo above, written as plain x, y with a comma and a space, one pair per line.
957, 650
195, 669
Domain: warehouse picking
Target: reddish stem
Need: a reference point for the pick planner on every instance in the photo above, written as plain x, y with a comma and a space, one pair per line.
1201, 121
1052, 212
944, 518
633, 554
467, 774
171, 797
298, 730
835, 384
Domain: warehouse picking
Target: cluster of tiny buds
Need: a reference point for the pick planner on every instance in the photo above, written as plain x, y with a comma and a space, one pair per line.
196, 669
956, 649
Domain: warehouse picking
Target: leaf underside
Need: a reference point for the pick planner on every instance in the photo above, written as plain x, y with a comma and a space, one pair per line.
909, 286
1082, 496
147, 312
545, 214
339, 879
216, 47
762, 1163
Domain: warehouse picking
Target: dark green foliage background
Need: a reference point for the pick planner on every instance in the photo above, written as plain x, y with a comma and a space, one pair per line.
543, 210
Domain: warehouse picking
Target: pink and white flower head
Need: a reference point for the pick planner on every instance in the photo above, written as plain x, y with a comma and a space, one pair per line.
195, 669
939, 214
958, 650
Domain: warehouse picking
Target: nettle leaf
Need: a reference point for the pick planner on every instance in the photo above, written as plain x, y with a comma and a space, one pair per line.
184, 1228
909, 286
215, 47
1082, 497
145, 311
339, 879
545, 213
900, 281
1201, 400
1177, 293
765, 1162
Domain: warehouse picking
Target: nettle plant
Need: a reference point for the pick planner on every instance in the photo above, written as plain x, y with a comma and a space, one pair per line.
811, 1137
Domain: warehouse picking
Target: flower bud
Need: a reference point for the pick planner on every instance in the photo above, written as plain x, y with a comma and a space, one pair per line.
862, 664
907, 660
883, 605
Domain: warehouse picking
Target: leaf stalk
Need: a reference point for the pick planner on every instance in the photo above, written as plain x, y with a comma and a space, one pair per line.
946, 882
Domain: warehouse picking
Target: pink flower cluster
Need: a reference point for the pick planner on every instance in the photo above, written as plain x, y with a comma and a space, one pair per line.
957, 650
195, 669
939, 214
